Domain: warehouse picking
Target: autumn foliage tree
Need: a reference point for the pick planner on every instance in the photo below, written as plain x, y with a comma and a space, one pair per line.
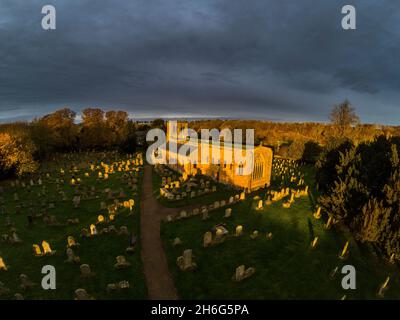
117, 126
93, 133
16, 154
296, 150
60, 128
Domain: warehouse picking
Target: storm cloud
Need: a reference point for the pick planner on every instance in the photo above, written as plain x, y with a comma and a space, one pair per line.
261, 59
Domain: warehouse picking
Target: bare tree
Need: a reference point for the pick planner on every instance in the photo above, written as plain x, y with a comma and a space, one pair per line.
343, 116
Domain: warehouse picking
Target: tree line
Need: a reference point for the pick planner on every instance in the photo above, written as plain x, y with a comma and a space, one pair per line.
24, 144
305, 141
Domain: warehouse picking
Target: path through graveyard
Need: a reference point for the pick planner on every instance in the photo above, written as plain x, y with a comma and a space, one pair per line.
159, 280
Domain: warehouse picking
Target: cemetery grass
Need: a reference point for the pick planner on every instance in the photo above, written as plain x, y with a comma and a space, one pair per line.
223, 192
286, 266
99, 252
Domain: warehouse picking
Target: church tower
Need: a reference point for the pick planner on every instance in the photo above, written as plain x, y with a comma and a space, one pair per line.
173, 130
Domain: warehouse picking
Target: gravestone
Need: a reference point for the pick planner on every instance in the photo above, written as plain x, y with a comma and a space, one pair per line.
81, 294
183, 214
177, 242
207, 239
71, 257
185, 262
85, 270
242, 273
239, 231
93, 230
26, 283
121, 263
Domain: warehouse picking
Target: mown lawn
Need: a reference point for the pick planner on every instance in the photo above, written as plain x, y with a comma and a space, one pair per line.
286, 267
99, 251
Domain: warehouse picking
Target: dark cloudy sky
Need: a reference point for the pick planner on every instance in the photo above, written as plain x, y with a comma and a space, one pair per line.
259, 59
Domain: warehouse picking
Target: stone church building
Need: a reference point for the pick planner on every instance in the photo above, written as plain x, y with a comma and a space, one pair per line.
228, 173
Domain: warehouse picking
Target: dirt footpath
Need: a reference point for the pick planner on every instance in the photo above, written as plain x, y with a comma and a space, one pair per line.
160, 284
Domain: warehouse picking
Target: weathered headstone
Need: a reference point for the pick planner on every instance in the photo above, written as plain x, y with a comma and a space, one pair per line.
207, 239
